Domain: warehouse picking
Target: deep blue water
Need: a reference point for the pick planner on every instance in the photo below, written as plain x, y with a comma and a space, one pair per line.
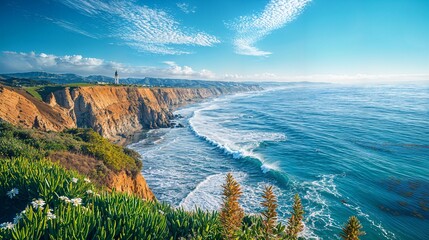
347, 150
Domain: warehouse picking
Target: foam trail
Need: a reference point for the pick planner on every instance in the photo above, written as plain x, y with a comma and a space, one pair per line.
207, 194
230, 143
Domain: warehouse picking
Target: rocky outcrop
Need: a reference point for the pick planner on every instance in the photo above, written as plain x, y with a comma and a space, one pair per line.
20, 108
124, 182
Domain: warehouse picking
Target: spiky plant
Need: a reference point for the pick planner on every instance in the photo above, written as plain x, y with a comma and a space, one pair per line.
231, 214
295, 224
352, 229
269, 214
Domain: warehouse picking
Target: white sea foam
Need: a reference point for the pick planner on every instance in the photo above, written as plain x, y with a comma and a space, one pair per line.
319, 213
237, 143
207, 194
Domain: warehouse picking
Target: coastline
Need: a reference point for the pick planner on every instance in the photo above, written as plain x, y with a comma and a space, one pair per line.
140, 135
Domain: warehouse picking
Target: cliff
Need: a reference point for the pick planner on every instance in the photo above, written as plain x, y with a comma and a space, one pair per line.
20, 108
114, 112
117, 112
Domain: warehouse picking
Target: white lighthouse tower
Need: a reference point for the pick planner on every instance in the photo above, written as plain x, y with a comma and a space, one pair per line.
116, 77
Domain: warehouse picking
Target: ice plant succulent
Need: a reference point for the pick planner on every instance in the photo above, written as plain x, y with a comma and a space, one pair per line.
12, 193
39, 203
65, 199
74, 180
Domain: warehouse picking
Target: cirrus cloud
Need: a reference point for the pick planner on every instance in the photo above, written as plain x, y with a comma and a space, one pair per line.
250, 29
140, 27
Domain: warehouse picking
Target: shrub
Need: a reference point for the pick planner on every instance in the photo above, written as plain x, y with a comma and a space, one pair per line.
352, 229
81, 143
295, 224
231, 214
269, 214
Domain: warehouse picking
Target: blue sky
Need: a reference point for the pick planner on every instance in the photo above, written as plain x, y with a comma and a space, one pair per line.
281, 40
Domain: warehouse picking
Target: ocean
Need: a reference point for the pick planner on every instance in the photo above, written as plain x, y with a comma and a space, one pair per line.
345, 149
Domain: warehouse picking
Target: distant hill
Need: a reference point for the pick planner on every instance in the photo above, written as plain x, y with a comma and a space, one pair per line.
147, 81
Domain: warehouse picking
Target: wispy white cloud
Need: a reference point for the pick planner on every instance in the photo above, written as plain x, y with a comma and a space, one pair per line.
250, 29
186, 8
25, 62
141, 27
72, 27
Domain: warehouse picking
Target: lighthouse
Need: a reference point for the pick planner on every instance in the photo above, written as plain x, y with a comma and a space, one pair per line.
116, 77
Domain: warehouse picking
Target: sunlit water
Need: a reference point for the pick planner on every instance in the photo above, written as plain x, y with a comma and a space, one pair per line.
346, 150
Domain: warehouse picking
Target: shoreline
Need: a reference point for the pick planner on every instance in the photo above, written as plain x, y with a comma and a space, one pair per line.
139, 135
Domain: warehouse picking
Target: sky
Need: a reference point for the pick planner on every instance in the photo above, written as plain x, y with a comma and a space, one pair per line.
238, 40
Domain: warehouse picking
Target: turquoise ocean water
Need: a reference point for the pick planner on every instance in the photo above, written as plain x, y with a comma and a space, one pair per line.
347, 150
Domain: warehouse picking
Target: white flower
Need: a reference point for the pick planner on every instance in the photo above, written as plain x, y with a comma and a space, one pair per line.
160, 211
7, 225
39, 203
12, 193
76, 201
50, 215
87, 180
65, 199
97, 195
74, 180
89, 192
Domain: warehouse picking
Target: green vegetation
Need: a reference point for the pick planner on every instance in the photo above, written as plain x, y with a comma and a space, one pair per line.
61, 204
41, 92
69, 147
79, 84
33, 91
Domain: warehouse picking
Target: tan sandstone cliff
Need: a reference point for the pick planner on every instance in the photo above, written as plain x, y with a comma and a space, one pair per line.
113, 111
20, 108
117, 112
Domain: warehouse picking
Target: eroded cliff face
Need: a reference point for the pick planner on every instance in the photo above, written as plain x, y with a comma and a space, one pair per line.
117, 112
20, 108
124, 182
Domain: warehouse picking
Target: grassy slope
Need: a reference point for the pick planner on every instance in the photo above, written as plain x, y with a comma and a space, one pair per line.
80, 149
33, 91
